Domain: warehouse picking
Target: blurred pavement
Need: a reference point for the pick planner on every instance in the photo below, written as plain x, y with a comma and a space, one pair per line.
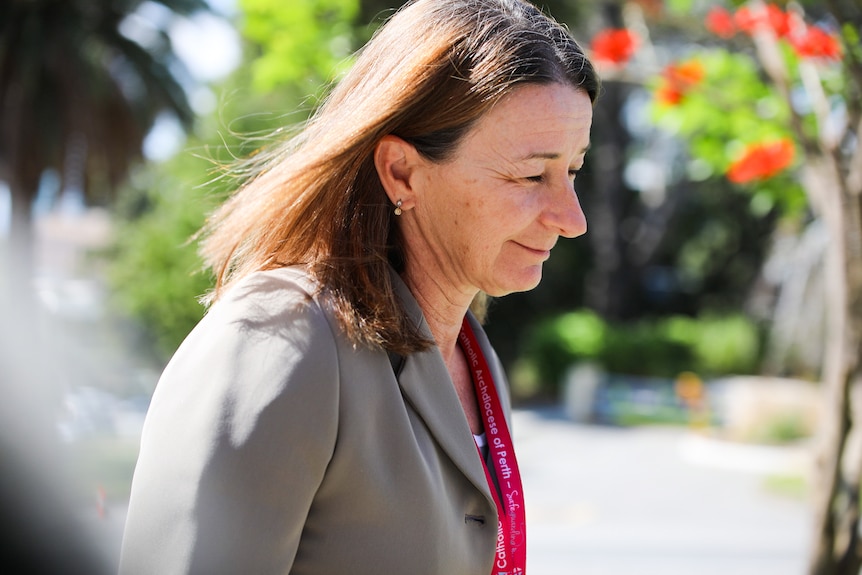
654, 501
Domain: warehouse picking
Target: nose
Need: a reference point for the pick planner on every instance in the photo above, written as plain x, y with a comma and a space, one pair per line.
563, 211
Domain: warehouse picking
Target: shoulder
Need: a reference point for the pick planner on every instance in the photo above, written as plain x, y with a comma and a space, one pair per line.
266, 337
265, 295
269, 307
250, 396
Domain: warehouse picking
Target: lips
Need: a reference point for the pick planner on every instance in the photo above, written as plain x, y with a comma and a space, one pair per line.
543, 253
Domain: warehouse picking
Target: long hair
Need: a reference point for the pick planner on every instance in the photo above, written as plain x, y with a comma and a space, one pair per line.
427, 75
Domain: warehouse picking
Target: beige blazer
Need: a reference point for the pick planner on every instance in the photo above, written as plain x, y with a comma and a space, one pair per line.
272, 445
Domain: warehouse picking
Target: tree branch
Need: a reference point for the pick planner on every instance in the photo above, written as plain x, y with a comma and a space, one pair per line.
854, 177
773, 64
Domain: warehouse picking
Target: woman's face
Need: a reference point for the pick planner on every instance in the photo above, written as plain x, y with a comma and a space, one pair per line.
487, 218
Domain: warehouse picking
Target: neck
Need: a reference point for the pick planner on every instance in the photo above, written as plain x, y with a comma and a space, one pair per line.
443, 308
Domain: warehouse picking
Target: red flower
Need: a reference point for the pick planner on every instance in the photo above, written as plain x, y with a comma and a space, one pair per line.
749, 20
761, 161
778, 20
614, 46
746, 19
685, 74
815, 42
668, 95
677, 80
720, 22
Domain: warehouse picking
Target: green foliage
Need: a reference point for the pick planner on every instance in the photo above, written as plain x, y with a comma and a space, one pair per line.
729, 104
730, 107
718, 344
553, 345
664, 347
680, 7
581, 333
155, 272
781, 428
645, 348
852, 40
306, 41
793, 486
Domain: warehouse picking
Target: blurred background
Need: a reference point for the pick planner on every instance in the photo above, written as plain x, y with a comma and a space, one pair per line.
686, 375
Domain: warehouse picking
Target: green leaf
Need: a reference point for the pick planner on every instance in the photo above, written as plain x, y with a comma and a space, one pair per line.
300, 41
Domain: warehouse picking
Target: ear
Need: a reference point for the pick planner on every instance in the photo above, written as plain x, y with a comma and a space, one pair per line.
397, 163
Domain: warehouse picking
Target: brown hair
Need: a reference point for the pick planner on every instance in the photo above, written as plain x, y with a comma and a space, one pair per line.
427, 76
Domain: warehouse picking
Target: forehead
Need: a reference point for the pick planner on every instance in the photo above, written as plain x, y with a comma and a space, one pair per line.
536, 120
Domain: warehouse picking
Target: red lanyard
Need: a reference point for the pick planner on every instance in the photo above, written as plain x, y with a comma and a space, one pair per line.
511, 554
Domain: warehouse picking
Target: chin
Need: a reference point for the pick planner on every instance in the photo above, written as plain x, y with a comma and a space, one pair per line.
524, 281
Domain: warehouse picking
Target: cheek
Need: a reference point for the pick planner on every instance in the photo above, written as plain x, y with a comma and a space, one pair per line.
511, 214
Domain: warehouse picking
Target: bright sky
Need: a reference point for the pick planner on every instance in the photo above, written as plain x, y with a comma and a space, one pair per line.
207, 44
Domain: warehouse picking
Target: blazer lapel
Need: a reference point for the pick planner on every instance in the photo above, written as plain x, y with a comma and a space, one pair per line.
427, 385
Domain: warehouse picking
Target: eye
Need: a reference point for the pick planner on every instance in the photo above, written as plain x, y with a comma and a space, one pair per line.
541, 178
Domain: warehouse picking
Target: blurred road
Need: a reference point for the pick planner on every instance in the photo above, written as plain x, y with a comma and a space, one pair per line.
645, 501
650, 501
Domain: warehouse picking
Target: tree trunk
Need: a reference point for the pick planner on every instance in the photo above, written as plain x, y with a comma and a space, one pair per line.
836, 547
610, 281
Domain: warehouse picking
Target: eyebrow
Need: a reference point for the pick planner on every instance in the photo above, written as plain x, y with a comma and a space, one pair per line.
549, 155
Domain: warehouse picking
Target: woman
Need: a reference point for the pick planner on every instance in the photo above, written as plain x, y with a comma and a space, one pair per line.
324, 416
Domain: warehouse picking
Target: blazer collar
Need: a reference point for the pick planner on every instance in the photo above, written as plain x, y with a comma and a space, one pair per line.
427, 385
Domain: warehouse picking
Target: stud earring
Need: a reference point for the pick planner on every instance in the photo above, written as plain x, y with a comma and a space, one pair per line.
398, 210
